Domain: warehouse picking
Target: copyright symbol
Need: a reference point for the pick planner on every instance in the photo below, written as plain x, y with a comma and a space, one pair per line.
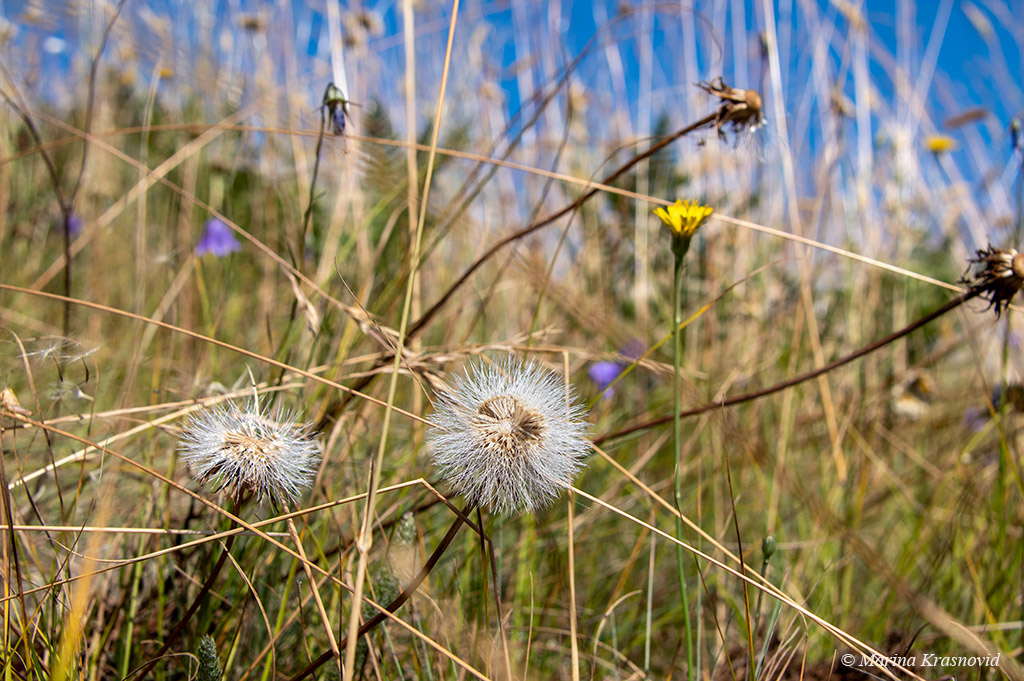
848, 659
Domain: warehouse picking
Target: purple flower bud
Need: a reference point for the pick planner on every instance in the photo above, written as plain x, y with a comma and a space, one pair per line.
602, 374
75, 224
218, 239
976, 418
634, 349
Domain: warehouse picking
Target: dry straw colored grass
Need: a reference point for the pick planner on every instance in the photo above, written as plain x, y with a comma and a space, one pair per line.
521, 201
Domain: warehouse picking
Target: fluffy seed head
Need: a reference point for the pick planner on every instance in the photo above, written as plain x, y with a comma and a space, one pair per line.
249, 451
508, 436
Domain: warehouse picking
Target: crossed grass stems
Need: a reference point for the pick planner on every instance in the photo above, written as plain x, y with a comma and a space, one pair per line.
1000, 276
240, 526
998, 280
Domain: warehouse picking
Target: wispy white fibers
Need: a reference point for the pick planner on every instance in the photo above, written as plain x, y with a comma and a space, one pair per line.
249, 451
508, 437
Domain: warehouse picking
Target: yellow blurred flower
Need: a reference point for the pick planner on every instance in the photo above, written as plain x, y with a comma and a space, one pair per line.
938, 144
126, 78
684, 217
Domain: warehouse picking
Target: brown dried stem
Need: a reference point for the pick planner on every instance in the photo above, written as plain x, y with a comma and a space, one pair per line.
797, 380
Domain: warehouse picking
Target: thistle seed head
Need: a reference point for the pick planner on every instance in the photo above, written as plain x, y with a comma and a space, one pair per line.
250, 451
508, 436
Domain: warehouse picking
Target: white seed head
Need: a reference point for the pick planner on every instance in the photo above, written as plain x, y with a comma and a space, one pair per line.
249, 451
508, 436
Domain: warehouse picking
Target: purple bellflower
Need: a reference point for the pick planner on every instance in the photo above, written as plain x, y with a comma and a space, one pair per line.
602, 374
218, 239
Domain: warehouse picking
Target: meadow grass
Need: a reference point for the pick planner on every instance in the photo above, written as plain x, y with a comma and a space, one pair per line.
875, 508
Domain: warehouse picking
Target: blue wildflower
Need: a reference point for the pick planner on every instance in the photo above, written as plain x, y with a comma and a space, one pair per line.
218, 239
75, 224
602, 374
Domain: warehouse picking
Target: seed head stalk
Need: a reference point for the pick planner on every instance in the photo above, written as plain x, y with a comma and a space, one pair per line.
677, 322
301, 245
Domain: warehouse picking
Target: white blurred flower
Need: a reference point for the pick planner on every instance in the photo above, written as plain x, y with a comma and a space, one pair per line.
54, 45
508, 436
250, 451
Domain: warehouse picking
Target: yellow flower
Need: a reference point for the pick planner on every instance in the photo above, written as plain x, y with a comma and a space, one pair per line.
939, 143
684, 217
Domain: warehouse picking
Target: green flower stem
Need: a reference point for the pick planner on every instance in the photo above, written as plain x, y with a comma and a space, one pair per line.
679, 247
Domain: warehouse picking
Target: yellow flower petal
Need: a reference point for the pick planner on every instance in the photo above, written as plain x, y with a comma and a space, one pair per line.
938, 144
684, 217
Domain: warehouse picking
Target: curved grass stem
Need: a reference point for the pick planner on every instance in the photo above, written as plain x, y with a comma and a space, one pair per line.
400, 600
196, 602
797, 380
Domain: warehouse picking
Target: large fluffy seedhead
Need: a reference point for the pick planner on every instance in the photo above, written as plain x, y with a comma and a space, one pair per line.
248, 451
508, 436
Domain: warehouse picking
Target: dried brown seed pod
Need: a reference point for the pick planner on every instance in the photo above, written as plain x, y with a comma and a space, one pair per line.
740, 108
999, 278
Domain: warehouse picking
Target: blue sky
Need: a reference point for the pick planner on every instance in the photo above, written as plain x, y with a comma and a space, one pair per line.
977, 62
965, 55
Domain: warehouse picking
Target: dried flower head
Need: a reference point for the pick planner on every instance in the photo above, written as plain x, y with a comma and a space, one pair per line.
739, 108
252, 22
9, 403
250, 451
1000, 277
508, 436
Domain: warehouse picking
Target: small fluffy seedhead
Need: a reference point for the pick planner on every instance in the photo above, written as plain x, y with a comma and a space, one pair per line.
248, 451
508, 437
